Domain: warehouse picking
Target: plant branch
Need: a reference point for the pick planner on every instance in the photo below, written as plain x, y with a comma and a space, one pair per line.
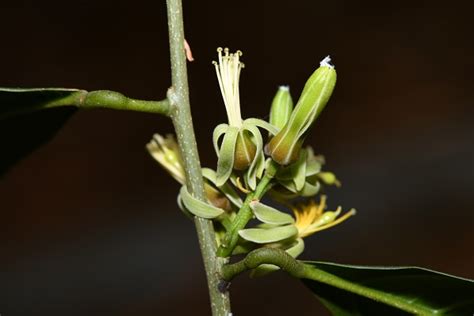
300, 270
260, 256
245, 213
178, 95
117, 101
17, 101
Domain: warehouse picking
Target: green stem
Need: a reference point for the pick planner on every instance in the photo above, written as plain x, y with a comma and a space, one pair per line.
265, 255
117, 101
300, 270
245, 213
80, 98
178, 95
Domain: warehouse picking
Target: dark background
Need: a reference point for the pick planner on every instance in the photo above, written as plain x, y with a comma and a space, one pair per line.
89, 224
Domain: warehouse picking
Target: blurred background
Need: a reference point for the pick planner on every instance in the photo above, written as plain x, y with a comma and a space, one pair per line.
89, 222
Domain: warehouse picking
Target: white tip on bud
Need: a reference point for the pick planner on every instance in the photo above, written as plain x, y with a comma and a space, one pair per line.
284, 88
326, 62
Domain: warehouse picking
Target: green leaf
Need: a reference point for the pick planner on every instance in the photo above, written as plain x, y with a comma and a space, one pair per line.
264, 236
15, 101
360, 290
197, 207
270, 215
21, 134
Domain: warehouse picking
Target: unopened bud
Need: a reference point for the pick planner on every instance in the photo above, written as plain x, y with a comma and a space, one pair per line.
282, 106
329, 178
285, 146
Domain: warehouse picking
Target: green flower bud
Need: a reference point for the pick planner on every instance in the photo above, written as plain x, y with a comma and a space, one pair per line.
245, 151
284, 148
282, 106
329, 178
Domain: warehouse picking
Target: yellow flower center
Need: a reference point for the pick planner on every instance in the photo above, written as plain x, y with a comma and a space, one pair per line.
311, 217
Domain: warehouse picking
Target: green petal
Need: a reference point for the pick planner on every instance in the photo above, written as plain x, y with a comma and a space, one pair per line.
197, 207
297, 249
289, 185
262, 124
300, 171
225, 162
226, 189
179, 201
270, 215
310, 189
220, 130
312, 167
251, 174
265, 236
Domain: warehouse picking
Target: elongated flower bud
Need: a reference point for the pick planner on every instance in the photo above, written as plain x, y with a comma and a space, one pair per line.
285, 146
245, 151
282, 106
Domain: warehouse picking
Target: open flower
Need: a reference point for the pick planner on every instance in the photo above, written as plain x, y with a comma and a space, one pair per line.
311, 217
241, 146
281, 230
165, 150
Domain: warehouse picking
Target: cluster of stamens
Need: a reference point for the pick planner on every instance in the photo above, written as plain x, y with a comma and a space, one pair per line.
228, 70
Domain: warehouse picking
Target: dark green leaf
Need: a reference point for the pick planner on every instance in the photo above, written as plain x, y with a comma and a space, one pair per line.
359, 290
20, 134
15, 101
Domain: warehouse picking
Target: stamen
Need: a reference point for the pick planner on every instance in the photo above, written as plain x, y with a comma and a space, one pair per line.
240, 186
352, 212
228, 73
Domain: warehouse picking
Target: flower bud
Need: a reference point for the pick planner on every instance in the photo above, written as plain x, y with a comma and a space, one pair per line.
282, 106
329, 178
245, 151
284, 148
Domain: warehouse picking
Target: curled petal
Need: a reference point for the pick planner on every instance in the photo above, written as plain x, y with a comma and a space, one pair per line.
225, 162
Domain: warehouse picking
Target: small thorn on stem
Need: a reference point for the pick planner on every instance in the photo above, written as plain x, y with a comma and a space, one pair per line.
189, 53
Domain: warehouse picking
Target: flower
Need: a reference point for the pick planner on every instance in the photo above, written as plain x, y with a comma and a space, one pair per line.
311, 217
165, 151
242, 142
228, 74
